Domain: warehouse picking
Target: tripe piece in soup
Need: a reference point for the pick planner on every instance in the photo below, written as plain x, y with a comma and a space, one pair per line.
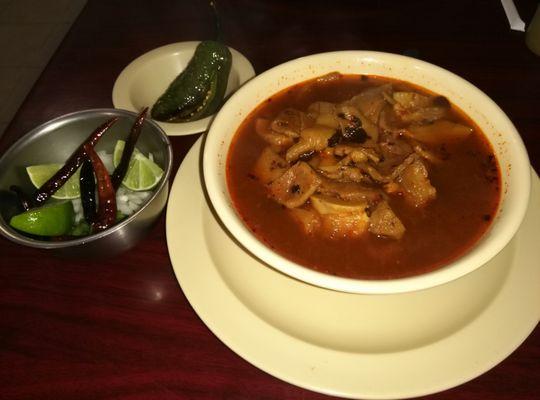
363, 177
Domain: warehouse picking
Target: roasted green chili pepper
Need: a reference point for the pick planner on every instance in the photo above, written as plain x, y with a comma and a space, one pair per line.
71, 165
199, 90
87, 187
121, 169
106, 214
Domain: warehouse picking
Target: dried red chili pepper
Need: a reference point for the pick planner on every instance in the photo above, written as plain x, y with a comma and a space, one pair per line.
25, 201
106, 214
87, 187
75, 160
121, 169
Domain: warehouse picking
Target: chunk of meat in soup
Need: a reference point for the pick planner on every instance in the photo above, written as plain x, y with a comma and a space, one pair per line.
341, 218
348, 191
269, 166
308, 219
383, 222
443, 131
371, 101
412, 177
291, 122
278, 140
311, 139
293, 188
418, 108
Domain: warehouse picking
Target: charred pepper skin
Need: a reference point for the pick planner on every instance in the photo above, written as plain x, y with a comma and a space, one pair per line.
199, 90
72, 164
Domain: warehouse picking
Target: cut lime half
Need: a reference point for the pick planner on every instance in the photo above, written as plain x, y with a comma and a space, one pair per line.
53, 219
39, 174
142, 173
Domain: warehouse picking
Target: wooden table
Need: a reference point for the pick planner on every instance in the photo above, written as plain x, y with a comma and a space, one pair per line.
89, 330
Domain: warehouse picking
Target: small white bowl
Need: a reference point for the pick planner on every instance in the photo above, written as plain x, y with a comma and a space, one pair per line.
507, 144
146, 78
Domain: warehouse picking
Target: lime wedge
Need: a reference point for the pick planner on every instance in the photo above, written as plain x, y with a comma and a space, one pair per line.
50, 220
142, 173
39, 174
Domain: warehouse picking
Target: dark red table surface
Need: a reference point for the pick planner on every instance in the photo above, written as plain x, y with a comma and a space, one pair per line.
96, 329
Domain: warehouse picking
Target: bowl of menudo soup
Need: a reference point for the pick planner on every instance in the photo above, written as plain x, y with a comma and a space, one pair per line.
366, 172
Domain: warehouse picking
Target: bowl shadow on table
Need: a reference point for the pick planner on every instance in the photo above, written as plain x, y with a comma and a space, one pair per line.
354, 323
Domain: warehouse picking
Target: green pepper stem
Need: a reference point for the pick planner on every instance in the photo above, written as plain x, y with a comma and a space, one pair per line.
217, 21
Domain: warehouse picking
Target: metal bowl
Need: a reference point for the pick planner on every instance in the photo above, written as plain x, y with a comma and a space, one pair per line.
53, 142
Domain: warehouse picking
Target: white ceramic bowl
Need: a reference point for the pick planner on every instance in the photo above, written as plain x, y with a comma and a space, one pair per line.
506, 142
141, 83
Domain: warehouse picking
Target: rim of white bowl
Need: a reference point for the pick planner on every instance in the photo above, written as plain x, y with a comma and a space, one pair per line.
223, 129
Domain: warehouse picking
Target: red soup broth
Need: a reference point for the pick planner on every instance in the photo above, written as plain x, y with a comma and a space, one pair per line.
467, 184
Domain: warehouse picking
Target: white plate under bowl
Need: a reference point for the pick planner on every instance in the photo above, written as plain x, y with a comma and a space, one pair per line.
141, 83
351, 345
